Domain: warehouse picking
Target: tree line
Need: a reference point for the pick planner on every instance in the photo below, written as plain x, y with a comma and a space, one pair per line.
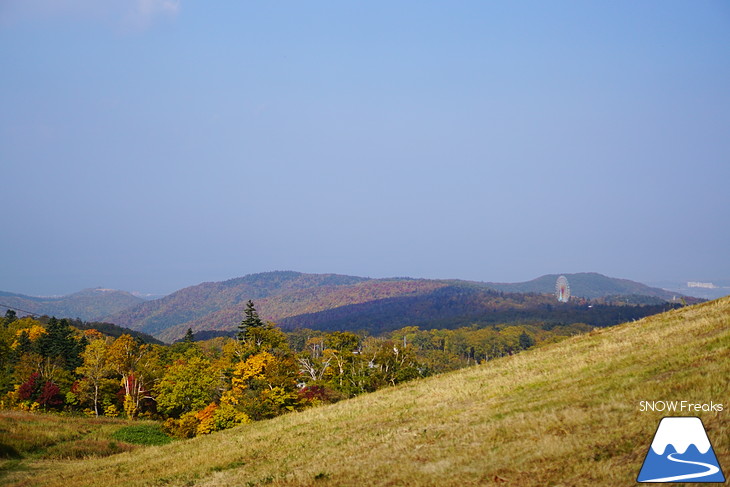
197, 387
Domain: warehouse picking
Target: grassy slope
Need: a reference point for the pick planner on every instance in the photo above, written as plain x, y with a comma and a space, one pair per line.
567, 414
27, 438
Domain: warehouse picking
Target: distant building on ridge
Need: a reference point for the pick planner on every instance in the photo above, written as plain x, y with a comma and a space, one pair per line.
706, 285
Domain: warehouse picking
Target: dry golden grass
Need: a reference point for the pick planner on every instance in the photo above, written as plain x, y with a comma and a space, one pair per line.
564, 415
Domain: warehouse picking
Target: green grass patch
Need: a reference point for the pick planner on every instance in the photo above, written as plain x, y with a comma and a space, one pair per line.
142, 434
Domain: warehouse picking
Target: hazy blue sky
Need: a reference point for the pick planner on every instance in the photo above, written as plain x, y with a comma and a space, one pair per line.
154, 144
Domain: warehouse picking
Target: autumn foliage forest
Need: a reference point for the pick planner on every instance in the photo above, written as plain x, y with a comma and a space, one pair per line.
197, 387
377, 306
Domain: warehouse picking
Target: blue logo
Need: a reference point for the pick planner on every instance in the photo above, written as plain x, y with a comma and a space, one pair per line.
680, 452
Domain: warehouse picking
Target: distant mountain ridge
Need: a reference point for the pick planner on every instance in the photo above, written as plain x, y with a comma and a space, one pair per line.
277, 294
88, 304
334, 301
328, 301
591, 285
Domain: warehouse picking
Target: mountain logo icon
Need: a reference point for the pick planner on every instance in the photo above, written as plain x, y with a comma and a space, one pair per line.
680, 452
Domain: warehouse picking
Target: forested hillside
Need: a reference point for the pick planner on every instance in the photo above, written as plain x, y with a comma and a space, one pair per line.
312, 301
79, 367
331, 302
196, 302
89, 304
335, 302
455, 306
591, 285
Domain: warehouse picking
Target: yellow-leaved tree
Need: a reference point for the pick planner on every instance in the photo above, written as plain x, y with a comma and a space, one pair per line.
95, 369
264, 380
138, 365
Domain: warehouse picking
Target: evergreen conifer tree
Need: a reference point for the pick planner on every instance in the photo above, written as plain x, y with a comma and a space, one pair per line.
59, 342
251, 320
